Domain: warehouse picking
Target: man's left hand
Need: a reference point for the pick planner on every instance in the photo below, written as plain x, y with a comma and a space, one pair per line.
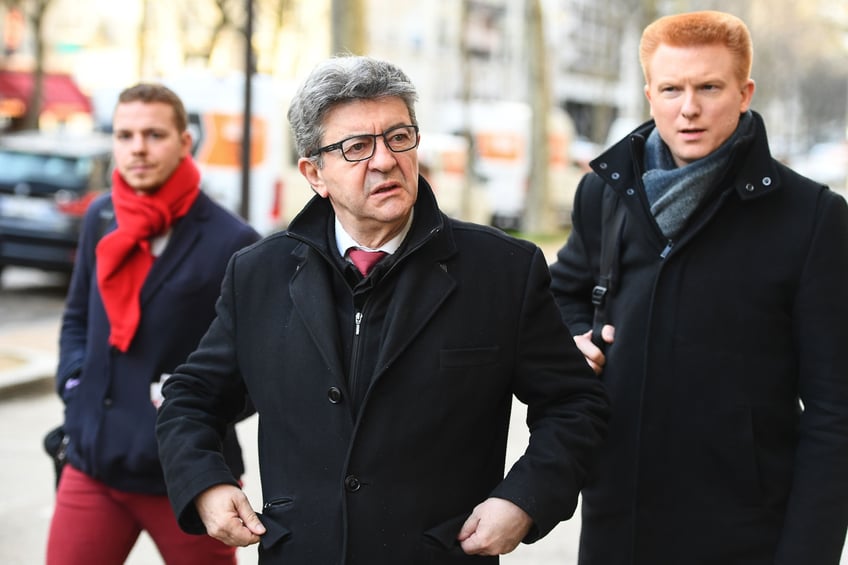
495, 527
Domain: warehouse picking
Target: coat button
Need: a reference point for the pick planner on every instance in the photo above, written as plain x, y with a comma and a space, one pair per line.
334, 395
352, 484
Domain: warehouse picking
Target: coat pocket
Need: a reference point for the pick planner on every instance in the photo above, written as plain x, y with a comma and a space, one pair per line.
469, 357
442, 548
273, 517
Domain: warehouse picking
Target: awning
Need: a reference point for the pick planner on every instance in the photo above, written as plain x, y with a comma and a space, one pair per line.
61, 96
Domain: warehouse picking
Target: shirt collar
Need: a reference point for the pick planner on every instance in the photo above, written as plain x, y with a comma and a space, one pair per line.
344, 241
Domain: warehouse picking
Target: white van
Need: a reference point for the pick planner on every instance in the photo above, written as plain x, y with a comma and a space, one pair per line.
443, 161
501, 144
215, 105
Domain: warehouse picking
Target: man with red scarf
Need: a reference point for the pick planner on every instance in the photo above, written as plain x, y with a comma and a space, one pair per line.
152, 255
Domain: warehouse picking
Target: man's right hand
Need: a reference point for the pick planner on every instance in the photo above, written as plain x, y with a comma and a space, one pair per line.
593, 354
228, 516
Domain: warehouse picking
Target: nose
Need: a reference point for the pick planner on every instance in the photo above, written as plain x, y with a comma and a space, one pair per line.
383, 158
691, 106
137, 144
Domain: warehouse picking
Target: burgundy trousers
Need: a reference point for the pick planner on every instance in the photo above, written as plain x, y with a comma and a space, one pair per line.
95, 524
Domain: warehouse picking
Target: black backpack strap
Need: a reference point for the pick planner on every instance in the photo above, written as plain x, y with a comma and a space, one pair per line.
612, 225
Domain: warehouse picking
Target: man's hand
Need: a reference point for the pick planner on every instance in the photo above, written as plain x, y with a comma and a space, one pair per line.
594, 356
228, 516
495, 527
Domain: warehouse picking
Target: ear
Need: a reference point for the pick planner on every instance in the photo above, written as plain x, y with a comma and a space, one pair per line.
312, 174
747, 95
185, 143
647, 90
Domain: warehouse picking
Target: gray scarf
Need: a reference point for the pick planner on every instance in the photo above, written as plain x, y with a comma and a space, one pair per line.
674, 192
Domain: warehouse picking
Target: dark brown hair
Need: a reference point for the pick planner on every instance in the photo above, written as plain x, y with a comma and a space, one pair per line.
150, 93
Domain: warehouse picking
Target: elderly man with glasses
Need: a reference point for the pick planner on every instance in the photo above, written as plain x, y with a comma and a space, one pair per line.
382, 344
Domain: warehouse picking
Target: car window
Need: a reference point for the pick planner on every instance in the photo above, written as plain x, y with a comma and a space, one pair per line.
44, 173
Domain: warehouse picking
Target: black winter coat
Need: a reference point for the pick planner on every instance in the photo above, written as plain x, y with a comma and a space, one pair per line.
720, 337
467, 321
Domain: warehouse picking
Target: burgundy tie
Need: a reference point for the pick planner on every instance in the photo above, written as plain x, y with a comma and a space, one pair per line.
365, 260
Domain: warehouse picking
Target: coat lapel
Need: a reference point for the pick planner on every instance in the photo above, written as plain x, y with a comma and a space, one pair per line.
182, 240
423, 286
312, 295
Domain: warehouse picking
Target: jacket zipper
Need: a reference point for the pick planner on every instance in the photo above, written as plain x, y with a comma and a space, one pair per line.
667, 249
354, 362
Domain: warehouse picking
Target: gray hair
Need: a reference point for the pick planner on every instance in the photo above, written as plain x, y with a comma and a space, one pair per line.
338, 80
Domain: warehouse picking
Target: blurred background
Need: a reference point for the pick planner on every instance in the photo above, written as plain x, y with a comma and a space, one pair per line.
515, 95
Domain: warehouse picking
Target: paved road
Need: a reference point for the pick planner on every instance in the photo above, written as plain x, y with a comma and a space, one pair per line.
26, 485
28, 295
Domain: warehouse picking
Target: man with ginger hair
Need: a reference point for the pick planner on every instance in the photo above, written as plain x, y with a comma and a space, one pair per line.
705, 283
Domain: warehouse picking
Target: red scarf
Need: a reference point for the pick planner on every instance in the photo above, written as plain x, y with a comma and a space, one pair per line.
124, 257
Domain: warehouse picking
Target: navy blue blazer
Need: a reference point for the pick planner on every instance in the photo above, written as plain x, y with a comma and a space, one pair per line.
109, 415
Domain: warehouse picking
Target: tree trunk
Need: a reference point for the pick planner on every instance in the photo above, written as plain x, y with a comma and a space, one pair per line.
465, 95
536, 216
36, 97
348, 27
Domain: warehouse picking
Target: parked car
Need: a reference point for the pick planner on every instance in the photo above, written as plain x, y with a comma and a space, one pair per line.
46, 183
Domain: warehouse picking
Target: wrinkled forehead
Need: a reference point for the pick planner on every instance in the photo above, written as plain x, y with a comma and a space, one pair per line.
374, 115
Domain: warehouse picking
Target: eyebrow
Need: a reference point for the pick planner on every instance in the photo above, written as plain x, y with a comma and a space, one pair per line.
144, 130
395, 125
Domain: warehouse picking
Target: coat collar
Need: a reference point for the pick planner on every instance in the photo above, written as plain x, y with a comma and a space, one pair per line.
419, 289
754, 171
314, 224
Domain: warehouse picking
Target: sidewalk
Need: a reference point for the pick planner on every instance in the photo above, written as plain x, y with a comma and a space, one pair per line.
28, 356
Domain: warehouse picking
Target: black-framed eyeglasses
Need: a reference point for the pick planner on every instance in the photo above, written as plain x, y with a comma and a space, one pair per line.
361, 147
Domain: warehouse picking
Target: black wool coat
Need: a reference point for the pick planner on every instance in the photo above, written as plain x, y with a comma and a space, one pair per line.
728, 377
466, 320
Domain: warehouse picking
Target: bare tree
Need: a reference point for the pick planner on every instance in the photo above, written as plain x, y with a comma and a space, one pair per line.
228, 16
348, 22
34, 11
536, 203
280, 13
799, 67
201, 37
465, 96
225, 21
